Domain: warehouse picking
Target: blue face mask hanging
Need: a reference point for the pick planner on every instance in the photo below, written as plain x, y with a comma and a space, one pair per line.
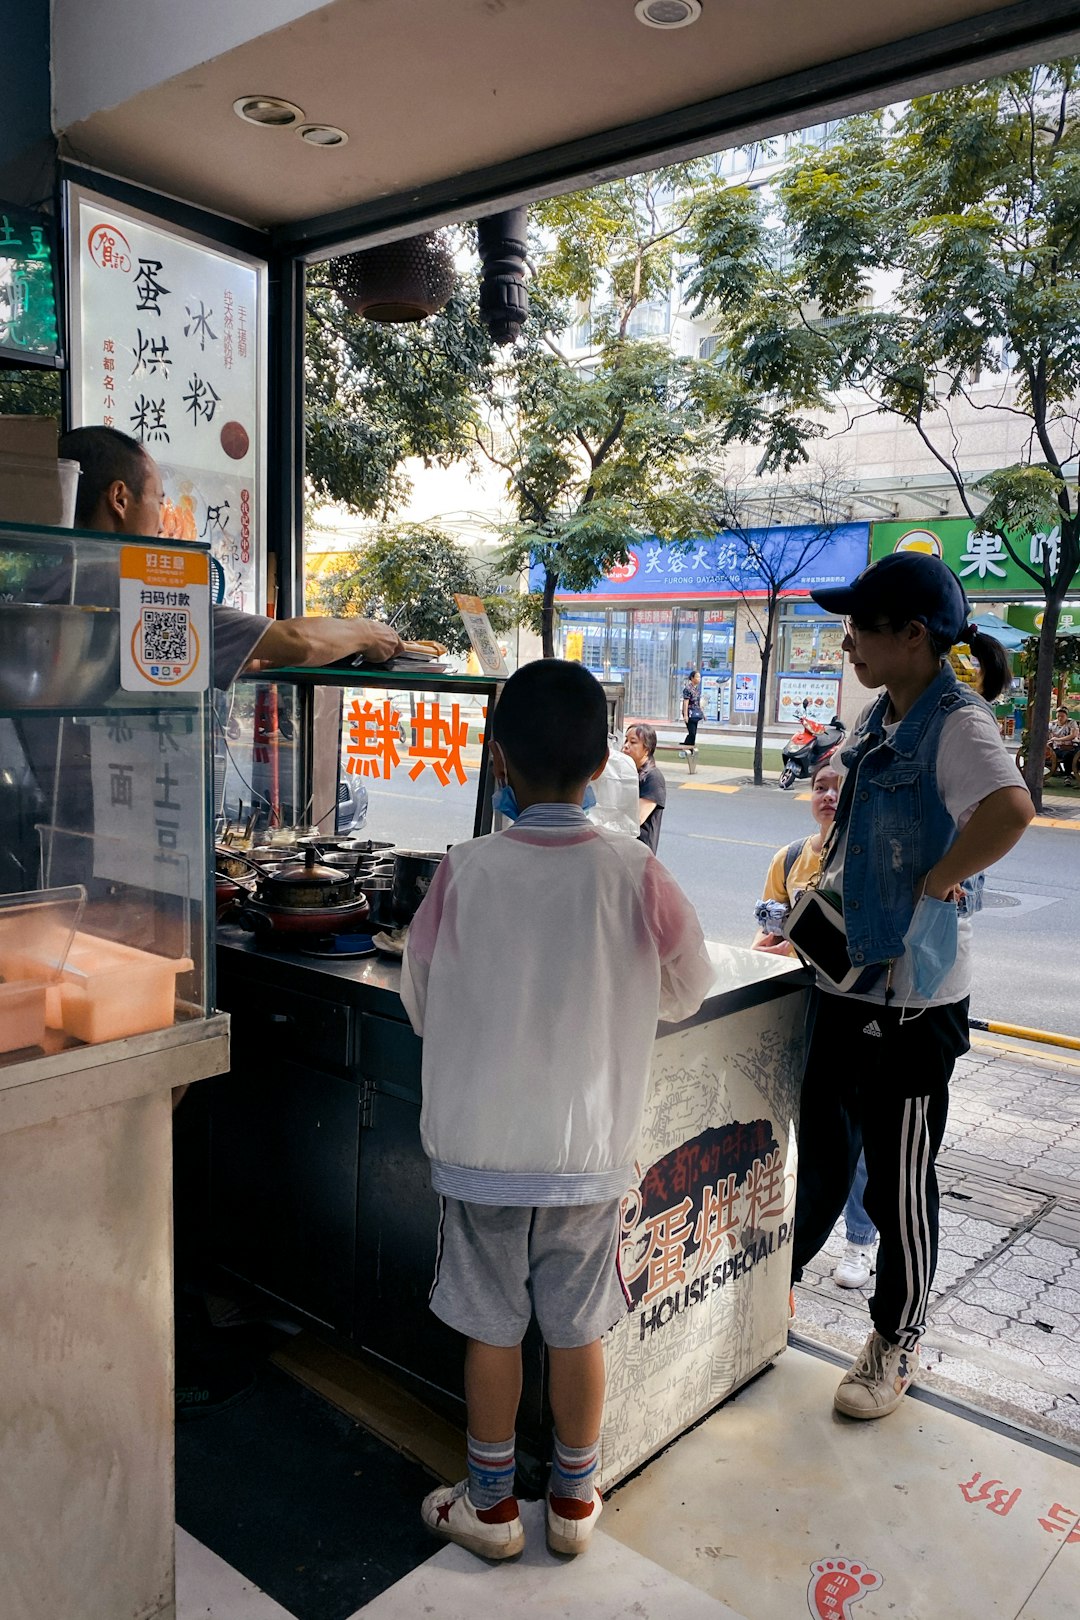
504, 802
931, 944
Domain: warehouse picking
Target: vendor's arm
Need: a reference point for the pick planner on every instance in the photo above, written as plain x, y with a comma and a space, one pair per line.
994, 828
294, 642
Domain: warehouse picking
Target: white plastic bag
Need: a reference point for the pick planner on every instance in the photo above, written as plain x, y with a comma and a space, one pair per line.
616, 807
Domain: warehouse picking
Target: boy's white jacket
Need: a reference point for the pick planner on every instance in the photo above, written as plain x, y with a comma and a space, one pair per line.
536, 969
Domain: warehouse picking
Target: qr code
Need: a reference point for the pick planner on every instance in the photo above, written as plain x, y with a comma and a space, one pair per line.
165, 637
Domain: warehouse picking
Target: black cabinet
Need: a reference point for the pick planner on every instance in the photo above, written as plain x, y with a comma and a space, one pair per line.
284, 1160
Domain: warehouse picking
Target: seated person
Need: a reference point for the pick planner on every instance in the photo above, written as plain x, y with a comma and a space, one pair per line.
1065, 738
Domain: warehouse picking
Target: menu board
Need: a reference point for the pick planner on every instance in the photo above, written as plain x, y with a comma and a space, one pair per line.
169, 347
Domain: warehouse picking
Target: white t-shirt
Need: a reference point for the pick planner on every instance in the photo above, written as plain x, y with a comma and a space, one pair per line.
972, 763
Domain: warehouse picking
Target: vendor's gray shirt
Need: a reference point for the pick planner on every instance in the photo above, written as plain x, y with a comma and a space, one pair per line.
236, 635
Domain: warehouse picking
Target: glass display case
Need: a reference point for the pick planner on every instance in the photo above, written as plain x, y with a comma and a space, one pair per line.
105, 789
356, 755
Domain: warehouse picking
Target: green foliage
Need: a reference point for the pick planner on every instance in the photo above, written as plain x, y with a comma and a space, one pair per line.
30, 392
409, 574
377, 394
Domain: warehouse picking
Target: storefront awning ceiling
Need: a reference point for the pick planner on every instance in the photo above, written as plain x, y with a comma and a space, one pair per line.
450, 106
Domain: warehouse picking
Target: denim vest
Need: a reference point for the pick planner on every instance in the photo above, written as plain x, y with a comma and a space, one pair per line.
897, 825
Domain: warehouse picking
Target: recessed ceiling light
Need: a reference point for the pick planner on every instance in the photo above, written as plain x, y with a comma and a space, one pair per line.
667, 13
323, 135
268, 110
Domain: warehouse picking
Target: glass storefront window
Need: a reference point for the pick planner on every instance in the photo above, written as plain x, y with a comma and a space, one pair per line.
811, 646
717, 655
583, 636
650, 672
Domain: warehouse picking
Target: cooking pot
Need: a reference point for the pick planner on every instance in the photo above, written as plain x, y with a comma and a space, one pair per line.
285, 922
379, 894
231, 863
306, 885
414, 871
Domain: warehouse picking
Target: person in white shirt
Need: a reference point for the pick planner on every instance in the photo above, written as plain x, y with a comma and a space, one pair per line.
536, 970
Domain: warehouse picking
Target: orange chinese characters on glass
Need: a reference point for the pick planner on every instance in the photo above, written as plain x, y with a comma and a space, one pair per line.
372, 746
438, 743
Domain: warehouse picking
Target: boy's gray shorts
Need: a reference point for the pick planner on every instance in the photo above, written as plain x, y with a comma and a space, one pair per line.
498, 1263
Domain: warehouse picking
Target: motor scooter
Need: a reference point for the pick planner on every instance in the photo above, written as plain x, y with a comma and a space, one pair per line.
813, 738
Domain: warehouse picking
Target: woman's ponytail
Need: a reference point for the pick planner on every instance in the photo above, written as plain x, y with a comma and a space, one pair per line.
994, 671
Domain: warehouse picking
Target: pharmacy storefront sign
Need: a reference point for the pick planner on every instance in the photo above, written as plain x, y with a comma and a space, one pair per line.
979, 558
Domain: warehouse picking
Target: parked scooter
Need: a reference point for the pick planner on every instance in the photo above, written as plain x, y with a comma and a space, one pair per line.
812, 739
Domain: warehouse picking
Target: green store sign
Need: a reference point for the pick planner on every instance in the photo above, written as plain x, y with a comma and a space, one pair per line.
1028, 617
980, 560
28, 325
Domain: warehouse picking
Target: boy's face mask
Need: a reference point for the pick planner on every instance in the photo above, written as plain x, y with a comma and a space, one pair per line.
931, 943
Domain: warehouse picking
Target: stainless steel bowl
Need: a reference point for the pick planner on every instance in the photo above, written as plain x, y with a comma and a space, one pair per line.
54, 655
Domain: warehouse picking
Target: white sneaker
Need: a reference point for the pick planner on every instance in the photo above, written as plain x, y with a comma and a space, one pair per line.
571, 1531
489, 1532
854, 1266
878, 1381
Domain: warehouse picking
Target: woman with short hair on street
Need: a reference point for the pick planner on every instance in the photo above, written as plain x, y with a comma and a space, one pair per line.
929, 799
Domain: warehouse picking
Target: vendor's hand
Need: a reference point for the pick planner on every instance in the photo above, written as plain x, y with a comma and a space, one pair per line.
774, 945
378, 642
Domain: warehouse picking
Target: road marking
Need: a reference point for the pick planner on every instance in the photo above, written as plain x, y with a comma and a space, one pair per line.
715, 838
1059, 1058
1055, 821
804, 795
711, 787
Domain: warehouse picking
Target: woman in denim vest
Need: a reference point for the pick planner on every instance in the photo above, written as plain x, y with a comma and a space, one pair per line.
930, 798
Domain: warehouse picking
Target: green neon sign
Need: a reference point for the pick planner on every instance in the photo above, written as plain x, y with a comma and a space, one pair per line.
28, 322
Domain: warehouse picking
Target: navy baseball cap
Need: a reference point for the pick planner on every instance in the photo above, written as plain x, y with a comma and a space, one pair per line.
905, 585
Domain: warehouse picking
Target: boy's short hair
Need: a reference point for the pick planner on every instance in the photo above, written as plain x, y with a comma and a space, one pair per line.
645, 734
551, 722
104, 454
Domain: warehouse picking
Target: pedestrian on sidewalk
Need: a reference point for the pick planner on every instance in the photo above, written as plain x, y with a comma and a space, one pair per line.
929, 798
791, 870
640, 744
538, 1025
692, 712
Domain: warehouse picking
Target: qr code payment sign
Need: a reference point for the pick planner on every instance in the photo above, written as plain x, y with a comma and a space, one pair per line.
166, 636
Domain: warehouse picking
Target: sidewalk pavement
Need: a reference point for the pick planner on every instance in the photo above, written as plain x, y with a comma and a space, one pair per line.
1004, 1323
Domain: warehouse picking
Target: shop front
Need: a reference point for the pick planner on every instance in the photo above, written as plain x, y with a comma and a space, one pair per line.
664, 612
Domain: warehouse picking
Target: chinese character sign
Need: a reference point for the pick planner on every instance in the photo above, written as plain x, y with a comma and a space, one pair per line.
375, 741
981, 560
724, 565
169, 350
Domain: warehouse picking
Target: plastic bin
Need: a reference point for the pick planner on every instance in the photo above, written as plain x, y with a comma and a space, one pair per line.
108, 990
22, 1015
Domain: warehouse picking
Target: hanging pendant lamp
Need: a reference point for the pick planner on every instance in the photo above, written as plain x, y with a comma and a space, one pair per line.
400, 281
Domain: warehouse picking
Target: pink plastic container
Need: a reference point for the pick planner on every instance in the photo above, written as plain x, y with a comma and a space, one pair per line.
108, 990
22, 1015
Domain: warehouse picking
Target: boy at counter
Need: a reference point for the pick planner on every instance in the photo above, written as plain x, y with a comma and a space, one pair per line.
536, 969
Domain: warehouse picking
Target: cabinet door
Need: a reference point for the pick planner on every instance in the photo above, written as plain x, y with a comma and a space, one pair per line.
285, 1142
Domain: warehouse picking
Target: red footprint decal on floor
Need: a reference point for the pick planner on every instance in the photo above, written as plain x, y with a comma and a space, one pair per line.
836, 1585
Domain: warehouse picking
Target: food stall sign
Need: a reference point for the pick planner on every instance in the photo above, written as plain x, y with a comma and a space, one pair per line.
374, 741
980, 559
28, 322
478, 625
169, 347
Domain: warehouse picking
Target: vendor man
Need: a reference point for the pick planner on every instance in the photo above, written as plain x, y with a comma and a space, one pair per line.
120, 492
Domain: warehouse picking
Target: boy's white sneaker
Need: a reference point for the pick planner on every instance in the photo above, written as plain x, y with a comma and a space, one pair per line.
854, 1266
489, 1532
878, 1380
570, 1523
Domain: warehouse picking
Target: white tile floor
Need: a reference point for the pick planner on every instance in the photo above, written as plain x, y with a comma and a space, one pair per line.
772, 1509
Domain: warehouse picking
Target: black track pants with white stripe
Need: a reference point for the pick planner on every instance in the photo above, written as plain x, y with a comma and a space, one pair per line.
872, 1082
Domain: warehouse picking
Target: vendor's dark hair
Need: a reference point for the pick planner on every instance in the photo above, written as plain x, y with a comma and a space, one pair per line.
104, 454
645, 734
552, 722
